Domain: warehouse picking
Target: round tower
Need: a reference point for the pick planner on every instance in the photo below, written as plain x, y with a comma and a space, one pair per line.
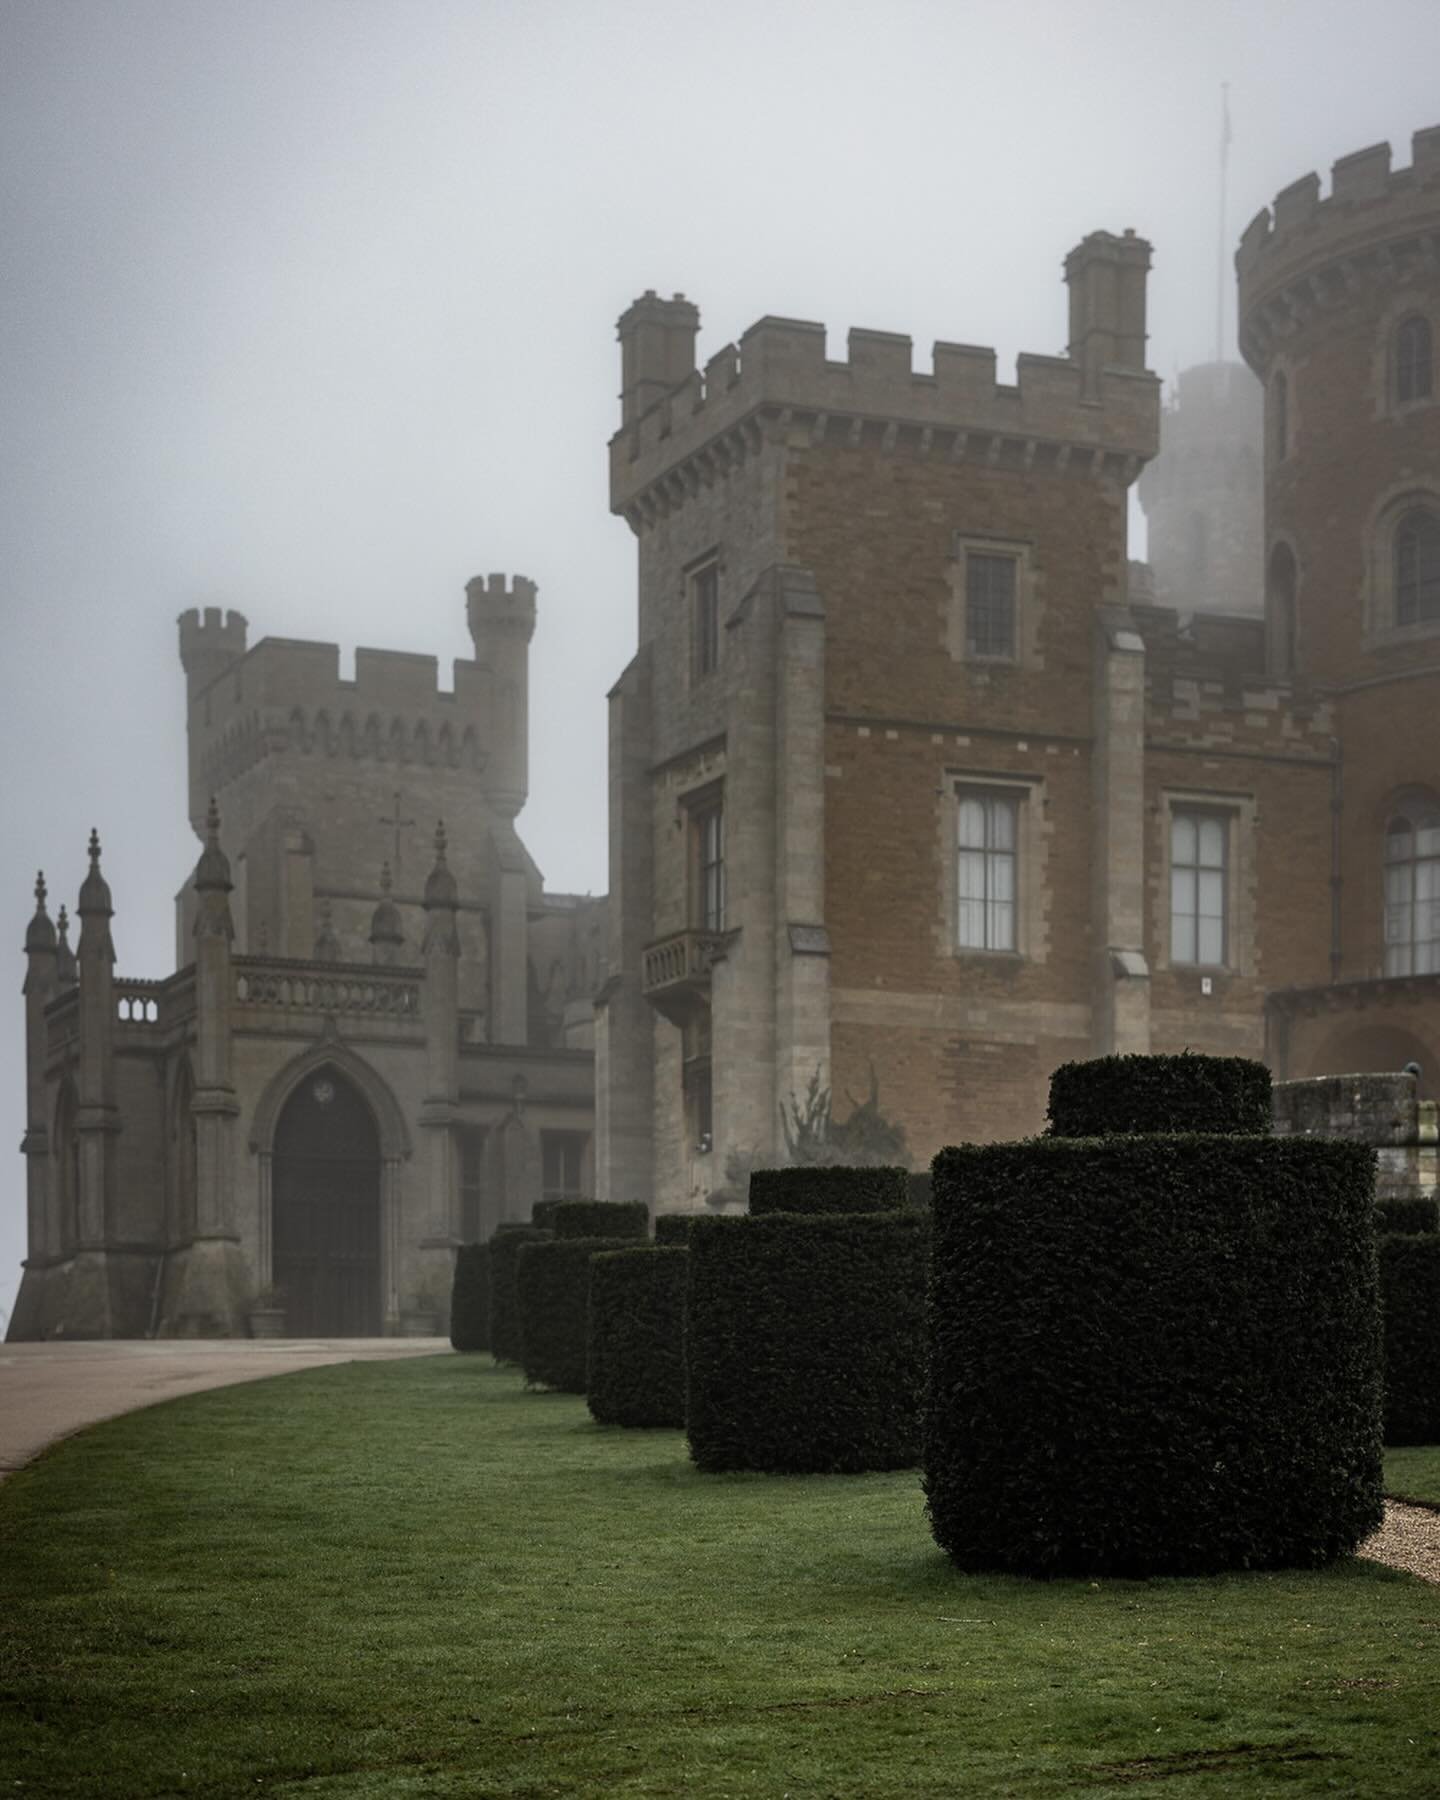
1203, 494
1339, 312
501, 616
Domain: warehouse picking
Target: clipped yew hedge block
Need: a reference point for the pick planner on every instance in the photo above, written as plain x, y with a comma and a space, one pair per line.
828, 1189
1153, 1355
1410, 1299
470, 1299
552, 1293
599, 1218
1145, 1094
673, 1228
635, 1369
804, 1341
1408, 1213
505, 1247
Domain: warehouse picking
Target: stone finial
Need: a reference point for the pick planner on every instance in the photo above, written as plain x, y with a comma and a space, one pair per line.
212, 872
65, 972
40, 935
94, 890
440, 888
386, 931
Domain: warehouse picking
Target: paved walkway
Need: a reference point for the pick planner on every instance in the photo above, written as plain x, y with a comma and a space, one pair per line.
49, 1390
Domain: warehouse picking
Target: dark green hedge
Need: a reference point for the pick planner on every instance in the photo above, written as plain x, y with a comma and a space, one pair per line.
673, 1228
1147, 1094
552, 1292
1154, 1355
1410, 1299
542, 1213
828, 1189
1411, 1213
505, 1248
470, 1298
600, 1218
804, 1341
636, 1365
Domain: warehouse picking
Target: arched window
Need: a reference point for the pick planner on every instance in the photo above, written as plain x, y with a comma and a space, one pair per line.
1417, 567
1414, 360
1280, 416
1412, 892
1280, 585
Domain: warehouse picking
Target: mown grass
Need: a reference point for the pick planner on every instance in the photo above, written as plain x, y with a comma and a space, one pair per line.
418, 1579
1413, 1473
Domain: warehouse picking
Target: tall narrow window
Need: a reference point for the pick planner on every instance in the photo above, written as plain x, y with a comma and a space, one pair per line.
472, 1186
989, 605
1197, 887
1280, 416
1417, 567
562, 1161
709, 827
1412, 894
705, 620
1414, 360
1280, 611
986, 888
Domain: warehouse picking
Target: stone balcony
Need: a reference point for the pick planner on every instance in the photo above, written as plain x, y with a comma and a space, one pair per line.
675, 972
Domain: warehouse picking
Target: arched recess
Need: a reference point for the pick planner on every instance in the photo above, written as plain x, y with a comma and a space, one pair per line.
1281, 588
183, 1155
67, 1167
394, 1147
389, 1120
327, 1226
1370, 1047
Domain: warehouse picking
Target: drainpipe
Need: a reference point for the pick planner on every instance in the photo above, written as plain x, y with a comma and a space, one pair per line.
1337, 800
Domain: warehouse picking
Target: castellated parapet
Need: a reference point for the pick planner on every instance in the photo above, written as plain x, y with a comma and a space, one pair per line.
1096, 409
1307, 249
209, 644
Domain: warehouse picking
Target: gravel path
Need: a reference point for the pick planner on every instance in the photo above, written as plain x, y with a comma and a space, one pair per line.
1409, 1539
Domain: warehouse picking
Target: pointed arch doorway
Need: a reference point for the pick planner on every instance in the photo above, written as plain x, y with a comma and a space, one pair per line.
326, 1209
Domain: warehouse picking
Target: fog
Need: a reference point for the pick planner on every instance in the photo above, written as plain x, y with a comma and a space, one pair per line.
309, 310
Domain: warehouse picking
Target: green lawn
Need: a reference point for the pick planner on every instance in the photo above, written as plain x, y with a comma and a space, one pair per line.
1414, 1473
417, 1579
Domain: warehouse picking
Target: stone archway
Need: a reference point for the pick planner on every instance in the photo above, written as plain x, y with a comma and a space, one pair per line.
326, 1226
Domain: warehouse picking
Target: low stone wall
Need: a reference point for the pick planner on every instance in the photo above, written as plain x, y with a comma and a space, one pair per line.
1384, 1111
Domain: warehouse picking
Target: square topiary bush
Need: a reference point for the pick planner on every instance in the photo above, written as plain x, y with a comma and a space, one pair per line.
470, 1299
552, 1294
599, 1218
1410, 1302
804, 1341
1408, 1213
1153, 1355
1189, 1092
821, 1188
673, 1228
505, 1247
635, 1370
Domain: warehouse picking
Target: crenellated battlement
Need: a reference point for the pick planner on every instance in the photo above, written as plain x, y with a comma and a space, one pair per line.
1370, 207
1097, 402
498, 603
209, 644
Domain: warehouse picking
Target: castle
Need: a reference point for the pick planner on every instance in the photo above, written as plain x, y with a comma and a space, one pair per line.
914, 777
378, 1039
911, 774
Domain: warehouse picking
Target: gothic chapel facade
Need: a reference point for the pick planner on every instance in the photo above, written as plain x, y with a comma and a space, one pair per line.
377, 1042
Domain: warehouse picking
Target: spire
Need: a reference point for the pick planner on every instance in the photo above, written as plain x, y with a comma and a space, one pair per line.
212, 872
41, 933
64, 955
386, 932
440, 889
94, 890
327, 945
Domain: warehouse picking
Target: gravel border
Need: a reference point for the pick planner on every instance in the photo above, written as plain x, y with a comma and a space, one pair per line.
1409, 1540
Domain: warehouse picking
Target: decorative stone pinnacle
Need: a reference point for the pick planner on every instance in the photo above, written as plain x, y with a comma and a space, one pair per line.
40, 934
440, 840
94, 847
40, 890
62, 924
212, 822
385, 881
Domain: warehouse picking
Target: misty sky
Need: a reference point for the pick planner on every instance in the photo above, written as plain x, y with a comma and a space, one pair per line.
309, 310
